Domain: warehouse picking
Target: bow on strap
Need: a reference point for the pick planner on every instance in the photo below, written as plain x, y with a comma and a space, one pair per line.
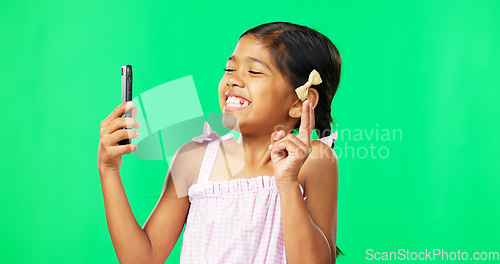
328, 139
210, 135
314, 79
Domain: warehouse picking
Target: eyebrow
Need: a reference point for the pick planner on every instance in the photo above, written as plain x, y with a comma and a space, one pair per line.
250, 58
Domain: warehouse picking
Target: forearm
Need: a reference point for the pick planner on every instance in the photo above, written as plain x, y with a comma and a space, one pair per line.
304, 241
130, 241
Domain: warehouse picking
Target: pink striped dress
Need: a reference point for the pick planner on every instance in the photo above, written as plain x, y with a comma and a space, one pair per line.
233, 221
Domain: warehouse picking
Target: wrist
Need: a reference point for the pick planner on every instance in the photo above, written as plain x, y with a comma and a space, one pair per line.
107, 170
287, 185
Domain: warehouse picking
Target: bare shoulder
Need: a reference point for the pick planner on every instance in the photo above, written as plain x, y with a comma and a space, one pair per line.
322, 162
186, 165
321, 150
192, 150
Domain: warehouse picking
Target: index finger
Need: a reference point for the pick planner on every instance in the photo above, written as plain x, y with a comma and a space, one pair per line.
118, 112
312, 119
305, 122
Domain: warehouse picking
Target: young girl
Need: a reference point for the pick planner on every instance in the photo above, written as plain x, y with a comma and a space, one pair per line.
280, 78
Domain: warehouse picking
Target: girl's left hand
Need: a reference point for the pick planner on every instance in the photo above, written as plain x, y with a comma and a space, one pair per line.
289, 152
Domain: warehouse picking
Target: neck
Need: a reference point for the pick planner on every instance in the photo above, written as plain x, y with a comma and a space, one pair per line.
256, 151
255, 148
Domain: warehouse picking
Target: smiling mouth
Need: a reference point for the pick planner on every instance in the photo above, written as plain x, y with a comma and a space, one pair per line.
235, 103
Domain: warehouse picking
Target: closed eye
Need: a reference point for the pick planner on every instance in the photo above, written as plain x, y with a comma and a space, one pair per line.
228, 70
254, 72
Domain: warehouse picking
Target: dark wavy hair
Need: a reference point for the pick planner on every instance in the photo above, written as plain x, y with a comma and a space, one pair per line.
297, 50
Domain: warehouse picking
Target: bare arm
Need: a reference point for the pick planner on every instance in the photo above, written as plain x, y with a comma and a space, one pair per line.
133, 244
165, 223
309, 227
154, 242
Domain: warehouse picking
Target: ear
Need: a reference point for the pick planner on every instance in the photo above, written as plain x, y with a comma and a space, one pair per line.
312, 97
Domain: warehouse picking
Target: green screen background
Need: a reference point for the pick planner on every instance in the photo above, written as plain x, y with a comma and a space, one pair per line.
426, 68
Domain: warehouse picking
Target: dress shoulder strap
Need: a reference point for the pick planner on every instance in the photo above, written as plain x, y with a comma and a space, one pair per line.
208, 161
328, 140
214, 142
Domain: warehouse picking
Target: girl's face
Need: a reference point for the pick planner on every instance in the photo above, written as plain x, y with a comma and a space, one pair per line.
254, 90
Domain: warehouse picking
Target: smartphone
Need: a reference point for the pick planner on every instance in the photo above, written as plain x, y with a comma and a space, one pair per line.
126, 94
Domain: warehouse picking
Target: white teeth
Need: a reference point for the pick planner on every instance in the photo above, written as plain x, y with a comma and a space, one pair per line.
233, 101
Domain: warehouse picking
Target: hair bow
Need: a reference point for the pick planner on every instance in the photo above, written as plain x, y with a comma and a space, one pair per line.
314, 79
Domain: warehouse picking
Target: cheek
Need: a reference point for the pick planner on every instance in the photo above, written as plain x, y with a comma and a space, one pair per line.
270, 103
222, 84
221, 91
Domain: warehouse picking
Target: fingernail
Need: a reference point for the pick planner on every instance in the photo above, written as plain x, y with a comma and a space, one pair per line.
269, 146
129, 105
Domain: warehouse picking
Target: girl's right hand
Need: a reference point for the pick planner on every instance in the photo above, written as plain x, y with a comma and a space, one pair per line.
110, 152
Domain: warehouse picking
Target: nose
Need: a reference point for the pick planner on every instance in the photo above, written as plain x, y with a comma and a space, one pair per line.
235, 80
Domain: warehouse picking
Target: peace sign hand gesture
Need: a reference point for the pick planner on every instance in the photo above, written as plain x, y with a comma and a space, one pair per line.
289, 152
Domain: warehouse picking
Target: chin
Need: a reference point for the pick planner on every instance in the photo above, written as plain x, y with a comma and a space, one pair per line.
230, 121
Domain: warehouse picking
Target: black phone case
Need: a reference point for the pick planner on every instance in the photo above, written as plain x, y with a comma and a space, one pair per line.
126, 94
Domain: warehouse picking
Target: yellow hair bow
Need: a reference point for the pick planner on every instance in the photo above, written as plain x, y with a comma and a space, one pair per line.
314, 79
